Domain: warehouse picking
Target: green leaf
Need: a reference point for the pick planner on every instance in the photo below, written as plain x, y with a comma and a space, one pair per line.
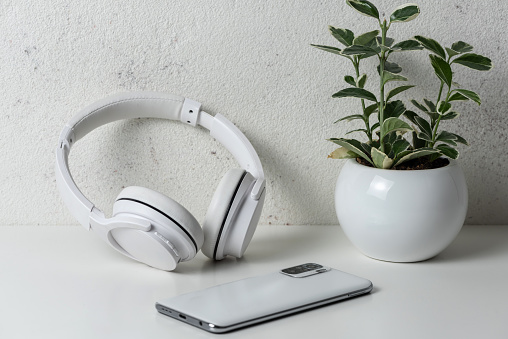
406, 45
460, 139
358, 130
350, 80
417, 142
409, 155
350, 118
342, 153
388, 76
362, 80
388, 41
451, 52
373, 127
331, 49
363, 51
369, 110
410, 115
364, 7
474, 61
405, 13
380, 159
432, 45
430, 105
443, 107
449, 116
423, 125
470, 95
399, 145
344, 36
397, 90
419, 106
424, 136
457, 96
394, 109
395, 124
354, 146
355, 92
442, 69
449, 151
462, 47
447, 138
392, 67
365, 38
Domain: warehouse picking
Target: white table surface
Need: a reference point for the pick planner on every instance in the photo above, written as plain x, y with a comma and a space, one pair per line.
63, 282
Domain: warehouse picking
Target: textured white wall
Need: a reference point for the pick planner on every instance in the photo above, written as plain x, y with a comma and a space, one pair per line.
250, 61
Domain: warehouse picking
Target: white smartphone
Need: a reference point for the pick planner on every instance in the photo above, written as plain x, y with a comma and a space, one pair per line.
242, 303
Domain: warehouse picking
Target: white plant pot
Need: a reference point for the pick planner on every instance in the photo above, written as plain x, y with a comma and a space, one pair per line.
401, 216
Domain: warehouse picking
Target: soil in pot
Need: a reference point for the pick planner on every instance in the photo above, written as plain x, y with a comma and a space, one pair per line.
421, 163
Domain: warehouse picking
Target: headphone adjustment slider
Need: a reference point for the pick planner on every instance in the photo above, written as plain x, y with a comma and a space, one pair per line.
190, 112
66, 138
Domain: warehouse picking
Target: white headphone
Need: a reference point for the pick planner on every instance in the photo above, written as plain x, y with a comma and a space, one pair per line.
148, 226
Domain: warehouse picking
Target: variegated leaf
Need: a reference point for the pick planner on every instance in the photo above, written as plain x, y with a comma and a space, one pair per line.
388, 76
350, 118
350, 80
470, 95
405, 13
394, 109
442, 69
355, 92
358, 130
331, 49
365, 38
354, 146
447, 138
409, 155
462, 47
406, 45
443, 107
361, 81
460, 139
380, 159
369, 110
395, 124
474, 61
363, 51
364, 7
397, 90
342, 153
344, 36
450, 115
431, 45
448, 151
419, 106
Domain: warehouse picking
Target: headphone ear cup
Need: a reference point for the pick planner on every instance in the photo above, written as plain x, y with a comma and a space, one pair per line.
175, 234
232, 186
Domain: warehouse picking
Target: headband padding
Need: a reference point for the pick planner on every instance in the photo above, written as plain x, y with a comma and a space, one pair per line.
219, 208
126, 106
166, 207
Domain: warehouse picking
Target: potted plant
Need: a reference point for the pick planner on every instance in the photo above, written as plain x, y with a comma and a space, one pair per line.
401, 197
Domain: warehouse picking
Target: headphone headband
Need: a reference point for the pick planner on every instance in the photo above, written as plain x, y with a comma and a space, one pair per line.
146, 105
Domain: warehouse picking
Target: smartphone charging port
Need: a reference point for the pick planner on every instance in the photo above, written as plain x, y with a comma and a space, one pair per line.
182, 316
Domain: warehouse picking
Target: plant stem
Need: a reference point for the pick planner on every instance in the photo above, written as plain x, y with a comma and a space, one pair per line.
356, 63
434, 132
382, 87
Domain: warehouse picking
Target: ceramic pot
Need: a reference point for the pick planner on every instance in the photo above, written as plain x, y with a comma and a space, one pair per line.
401, 216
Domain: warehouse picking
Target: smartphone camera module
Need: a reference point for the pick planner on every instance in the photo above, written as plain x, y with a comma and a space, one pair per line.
304, 270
